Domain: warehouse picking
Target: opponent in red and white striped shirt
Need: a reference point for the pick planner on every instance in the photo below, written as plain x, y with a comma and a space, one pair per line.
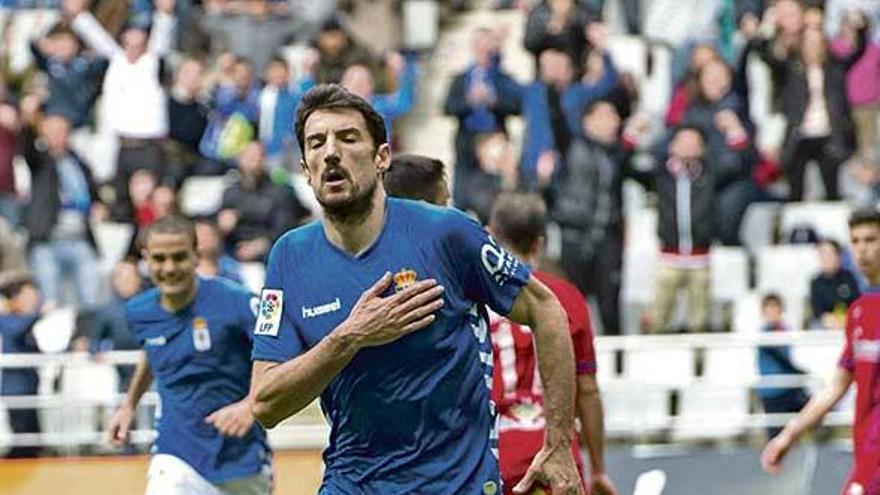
518, 224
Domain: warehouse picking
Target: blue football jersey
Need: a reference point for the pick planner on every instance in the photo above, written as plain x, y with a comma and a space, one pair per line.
414, 415
200, 359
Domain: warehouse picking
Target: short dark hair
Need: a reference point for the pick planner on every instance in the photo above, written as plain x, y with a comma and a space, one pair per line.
13, 283
414, 176
865, 216
62, 29
594, 105
772, 298
171, 224
278, 60
831, 242
689, 127
239, 60
518, 220
330, 96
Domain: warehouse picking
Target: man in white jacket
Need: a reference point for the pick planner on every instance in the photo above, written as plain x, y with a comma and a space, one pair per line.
134, 100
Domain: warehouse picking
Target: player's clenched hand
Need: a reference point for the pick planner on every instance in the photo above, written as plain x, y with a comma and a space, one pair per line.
234, 420
377, 320
774, 453
555, 468
120, 425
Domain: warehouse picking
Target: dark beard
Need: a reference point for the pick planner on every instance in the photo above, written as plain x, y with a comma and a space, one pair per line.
354, 211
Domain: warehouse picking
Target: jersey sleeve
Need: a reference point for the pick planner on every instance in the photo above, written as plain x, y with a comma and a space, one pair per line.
847, 360
489, 273
248, 307
582, 340
576, 309
276, 337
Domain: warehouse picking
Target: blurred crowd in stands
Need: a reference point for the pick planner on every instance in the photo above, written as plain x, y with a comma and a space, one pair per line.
704, 161
184, 89
189, 89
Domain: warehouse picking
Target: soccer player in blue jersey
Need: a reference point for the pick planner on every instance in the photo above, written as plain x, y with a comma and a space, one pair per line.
379, 310
197, 337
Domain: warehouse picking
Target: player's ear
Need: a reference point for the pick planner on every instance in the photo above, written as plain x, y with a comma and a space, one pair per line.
538, 246
305, 169
383, 157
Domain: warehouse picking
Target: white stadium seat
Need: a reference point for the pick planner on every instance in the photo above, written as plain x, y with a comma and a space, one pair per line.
200, 196
113, 240
817, 360
747, 314
640, 257
729, 273
633, 408
253, 275
828, 219
733, 365
711, 411
758, 226
673, 368
787, 270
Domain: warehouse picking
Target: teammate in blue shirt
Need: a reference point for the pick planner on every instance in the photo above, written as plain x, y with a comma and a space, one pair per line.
197, 337
378, 309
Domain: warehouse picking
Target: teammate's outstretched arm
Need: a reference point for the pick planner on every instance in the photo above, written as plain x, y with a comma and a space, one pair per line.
588, 403
120, 424
283, 389
807, 418
537, 307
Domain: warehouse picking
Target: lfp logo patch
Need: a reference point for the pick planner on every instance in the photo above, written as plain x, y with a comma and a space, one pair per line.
269, 317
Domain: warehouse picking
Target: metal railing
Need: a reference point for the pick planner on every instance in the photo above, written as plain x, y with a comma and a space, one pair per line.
628, 404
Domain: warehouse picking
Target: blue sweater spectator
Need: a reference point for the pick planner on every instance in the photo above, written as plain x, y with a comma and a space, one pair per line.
278, 101
480, 98
358, 79
74, 80
235, 114
552, 107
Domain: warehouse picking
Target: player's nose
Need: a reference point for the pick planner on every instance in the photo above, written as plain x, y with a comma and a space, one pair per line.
331, 151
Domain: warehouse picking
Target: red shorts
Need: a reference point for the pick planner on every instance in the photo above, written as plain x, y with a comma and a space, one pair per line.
517, 448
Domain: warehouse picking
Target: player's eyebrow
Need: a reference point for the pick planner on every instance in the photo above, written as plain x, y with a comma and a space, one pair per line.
315, 135
348, 130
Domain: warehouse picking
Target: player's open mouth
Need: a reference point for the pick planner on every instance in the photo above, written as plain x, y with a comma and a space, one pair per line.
334, 177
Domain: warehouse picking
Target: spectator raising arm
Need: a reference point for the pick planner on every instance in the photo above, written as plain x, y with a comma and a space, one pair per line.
601, 78
98, 39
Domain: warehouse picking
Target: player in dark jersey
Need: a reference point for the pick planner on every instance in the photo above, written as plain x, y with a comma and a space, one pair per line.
403, 364
197, 337
860, 362
518, 222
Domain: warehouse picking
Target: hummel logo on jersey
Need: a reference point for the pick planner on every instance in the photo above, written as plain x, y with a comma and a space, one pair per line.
156, 341
323, 309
